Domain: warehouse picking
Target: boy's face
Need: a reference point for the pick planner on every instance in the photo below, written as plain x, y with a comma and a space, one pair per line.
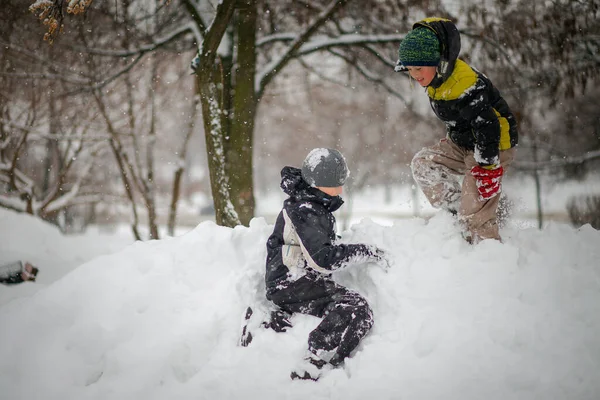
423, 75
332, 191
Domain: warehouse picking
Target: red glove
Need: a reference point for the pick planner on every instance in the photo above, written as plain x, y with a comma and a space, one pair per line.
487, 180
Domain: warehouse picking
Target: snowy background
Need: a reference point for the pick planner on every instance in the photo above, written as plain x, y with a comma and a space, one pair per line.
112, 319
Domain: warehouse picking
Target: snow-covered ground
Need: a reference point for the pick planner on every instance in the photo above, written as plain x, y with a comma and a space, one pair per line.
162, 319
23, 237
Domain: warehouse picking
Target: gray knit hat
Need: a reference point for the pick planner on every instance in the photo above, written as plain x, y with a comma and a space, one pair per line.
325, 168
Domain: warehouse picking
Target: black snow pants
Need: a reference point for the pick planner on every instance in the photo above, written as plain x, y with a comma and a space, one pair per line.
347, 316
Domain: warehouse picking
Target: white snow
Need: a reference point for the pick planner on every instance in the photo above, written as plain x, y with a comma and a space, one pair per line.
162, 319
39, 3
24, 237
313, 159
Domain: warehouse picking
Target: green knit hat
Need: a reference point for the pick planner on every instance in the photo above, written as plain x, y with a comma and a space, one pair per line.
420, 47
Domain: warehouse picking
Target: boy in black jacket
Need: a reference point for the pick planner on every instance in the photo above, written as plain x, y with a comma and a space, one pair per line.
481, 130
302, 254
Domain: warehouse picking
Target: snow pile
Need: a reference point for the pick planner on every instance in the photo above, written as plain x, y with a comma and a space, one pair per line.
162, 319
26, 238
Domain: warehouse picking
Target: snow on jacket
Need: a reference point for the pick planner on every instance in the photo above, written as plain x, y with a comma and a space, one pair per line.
11, 273
303, 239
476, 115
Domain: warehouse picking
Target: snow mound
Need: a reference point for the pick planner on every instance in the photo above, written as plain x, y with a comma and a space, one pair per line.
27, 238
162, 319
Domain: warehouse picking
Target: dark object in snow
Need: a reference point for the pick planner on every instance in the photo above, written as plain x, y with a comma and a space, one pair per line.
278, 320
17, 272
294, 376
246, 334
311, 370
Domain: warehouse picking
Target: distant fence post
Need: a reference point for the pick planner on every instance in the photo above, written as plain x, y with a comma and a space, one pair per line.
538, 188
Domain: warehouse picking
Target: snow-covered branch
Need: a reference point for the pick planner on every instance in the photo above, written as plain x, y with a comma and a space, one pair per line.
214, 33
321, 75
23, 181
57, 190
268, 73
66, 199
13, 203
277, 37
35, 134
497, 46
195, 13
381, 57
106, 81
370, 75
38, 59
45, 76
322, 43
319, 43
159, 42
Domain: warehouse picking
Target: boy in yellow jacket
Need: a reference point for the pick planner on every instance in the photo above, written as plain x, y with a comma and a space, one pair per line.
481, 131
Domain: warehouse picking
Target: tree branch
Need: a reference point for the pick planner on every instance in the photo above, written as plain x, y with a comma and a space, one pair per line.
106, 81
369, 75
196, 15
273, 68
166, 39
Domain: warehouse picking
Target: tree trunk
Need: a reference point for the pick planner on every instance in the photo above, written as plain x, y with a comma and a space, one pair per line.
239, 149
538, 188
149, 184
211, 98
53, 160
210, 75
176, 192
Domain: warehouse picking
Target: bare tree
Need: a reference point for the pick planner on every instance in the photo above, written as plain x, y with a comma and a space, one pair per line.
253, 43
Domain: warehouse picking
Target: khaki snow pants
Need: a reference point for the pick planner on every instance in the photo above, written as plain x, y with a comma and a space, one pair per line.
438, 169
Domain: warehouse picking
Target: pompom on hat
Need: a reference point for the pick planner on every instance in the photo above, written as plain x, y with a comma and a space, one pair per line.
420, 47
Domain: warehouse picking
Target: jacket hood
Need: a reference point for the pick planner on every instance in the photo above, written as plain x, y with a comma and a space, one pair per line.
296, 187
449, 38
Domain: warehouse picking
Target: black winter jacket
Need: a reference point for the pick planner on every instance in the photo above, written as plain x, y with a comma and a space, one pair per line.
304, 234
477, 118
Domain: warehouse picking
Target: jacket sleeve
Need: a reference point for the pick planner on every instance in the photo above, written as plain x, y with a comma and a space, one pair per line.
11, 273
477, 109
314, 232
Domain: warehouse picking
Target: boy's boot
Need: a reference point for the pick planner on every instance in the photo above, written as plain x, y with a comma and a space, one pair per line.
311, 368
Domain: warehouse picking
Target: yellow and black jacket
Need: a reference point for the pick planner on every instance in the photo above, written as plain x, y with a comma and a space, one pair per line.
476, 116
